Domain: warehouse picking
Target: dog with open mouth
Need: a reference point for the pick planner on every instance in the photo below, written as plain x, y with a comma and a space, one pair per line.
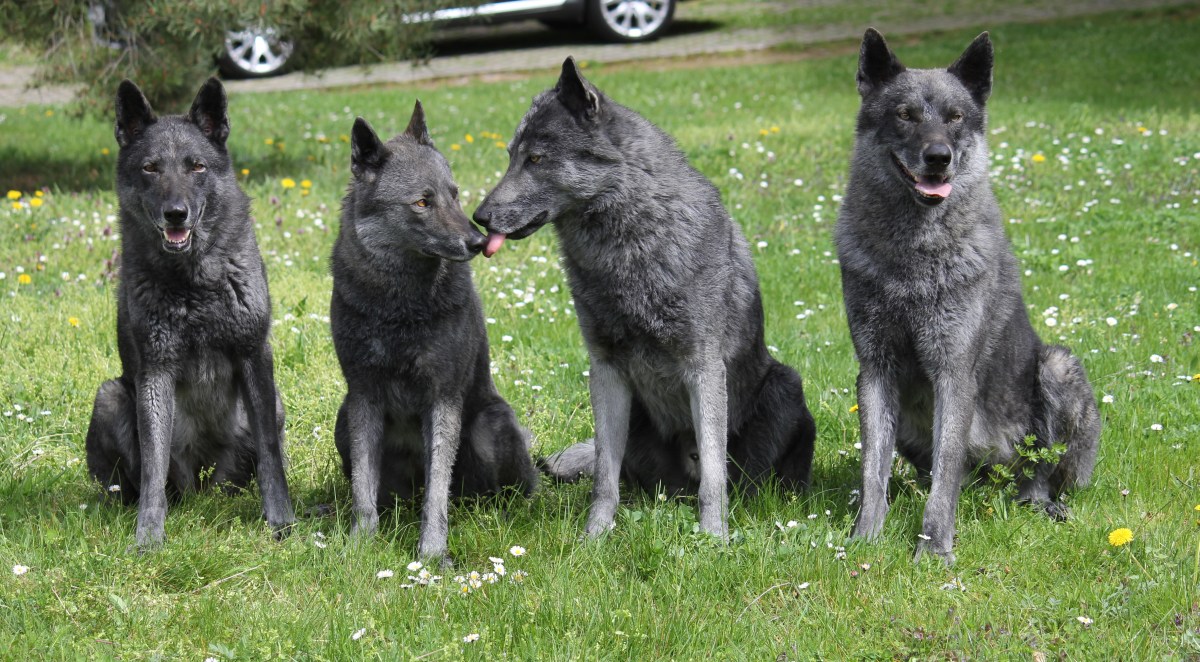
951, 372
196, 402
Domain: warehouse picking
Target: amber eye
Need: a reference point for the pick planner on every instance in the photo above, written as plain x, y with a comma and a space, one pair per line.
150, 167
422, 202
199, 167
535, 158
903, 114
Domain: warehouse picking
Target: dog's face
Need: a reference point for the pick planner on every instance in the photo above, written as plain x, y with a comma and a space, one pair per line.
928, 125
172, 171
560, 158
404, 196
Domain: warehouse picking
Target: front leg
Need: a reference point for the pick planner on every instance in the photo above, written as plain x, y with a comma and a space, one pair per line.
611, 400
710, 412
878, 410
442, 427
259, 386
364, 424
953, 410
156, 422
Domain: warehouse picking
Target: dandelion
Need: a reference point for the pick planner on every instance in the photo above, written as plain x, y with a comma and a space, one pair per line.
73, 321
105, 151
245, 171
500, 144
1119, 537
306, 183
14, 195
1039, 158
454, 147
19, 569
1197, 508
268, 141
854, 408
24, 279
288, 182
471, 638
36, 202
516, 550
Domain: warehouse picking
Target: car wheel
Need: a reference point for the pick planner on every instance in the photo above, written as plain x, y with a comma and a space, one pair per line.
629, 20
254, 53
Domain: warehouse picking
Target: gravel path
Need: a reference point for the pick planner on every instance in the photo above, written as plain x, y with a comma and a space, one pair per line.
13, 81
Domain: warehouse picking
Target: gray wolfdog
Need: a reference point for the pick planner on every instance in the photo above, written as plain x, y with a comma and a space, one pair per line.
408, 328
667, 298
196, 392
951, 373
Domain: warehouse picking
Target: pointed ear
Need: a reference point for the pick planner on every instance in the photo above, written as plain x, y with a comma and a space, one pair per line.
576, 93
367, 152
208, 111
416, 126
974, 68
876, 63
133, 113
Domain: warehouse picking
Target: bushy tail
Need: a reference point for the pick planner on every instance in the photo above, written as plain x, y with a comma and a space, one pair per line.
571, 464
1071, 416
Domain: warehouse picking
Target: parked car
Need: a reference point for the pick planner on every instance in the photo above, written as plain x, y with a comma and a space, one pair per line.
259, 51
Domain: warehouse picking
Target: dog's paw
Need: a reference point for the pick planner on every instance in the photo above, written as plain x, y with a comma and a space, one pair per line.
596, 530
925, 547
1057, 511
364, 527
281, 530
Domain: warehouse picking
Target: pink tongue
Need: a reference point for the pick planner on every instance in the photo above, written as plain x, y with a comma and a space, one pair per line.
934, 189
495, 241
177, 236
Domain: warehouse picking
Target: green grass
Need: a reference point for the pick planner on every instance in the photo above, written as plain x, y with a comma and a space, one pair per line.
1122, 217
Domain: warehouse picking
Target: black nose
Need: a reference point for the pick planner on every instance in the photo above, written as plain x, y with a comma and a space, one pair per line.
938, 155
176, 214
482, 216
476, 243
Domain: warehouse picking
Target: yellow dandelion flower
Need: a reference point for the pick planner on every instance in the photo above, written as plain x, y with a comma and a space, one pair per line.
469, 138
105, 151
306, 183
500, 144
1119, 537
854, 409
16, 205
1196, 378
1141, 129
38, 194
1197, 508
288, 182
305, 191
454, 147
344, 138
774, 129
1038, 158
24, 279
14, 195
269, 141
763, 132
49, 113
73, 321
36, 202
245, 171
279, 145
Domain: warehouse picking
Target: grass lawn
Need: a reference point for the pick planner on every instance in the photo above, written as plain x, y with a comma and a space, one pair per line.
1096, 145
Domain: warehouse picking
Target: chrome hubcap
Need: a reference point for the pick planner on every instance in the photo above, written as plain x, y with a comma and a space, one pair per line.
260, 51
634, 18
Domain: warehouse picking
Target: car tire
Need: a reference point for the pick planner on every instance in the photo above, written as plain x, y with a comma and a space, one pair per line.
629, 20
255, 52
